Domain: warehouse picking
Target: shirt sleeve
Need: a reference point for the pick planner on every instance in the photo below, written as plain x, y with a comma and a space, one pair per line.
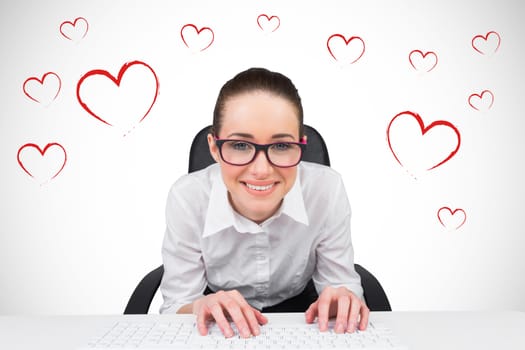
335, 252
184, 273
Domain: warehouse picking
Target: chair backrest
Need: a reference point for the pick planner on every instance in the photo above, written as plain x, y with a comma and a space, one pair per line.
200, 158
317, 152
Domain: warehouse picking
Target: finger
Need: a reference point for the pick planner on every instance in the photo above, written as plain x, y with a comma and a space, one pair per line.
202, 317
260, 317
235, 312
218, 315
343, 304
355, 306
248, 312
365, 313
311, 312
323, 307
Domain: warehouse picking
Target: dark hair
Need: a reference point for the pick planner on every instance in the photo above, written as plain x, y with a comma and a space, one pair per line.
257, 79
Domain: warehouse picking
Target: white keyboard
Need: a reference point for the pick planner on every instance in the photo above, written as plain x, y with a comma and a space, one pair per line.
160, 335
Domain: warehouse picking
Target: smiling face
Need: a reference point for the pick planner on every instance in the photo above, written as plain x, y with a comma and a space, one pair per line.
256, 190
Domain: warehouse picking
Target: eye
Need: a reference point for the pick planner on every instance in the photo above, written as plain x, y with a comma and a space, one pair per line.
239, 146
281, 146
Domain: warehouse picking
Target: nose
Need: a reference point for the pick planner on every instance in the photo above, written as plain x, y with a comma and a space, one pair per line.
261, 167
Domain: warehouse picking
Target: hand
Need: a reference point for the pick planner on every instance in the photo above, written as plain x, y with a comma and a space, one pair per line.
343, 304
218, 306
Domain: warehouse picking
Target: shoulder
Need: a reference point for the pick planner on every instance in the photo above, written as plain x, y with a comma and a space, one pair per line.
318, 175
195, 186
322, 187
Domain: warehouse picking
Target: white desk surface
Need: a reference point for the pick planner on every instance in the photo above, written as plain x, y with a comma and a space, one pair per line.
418, 330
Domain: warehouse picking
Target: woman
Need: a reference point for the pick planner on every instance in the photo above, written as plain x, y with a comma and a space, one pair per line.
249, 233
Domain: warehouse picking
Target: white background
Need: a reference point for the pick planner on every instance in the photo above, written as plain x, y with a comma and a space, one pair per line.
80, 242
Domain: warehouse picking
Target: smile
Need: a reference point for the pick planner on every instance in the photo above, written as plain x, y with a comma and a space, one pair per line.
259, 188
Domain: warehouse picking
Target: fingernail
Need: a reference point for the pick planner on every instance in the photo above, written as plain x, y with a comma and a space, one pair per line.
351, 327
339, 328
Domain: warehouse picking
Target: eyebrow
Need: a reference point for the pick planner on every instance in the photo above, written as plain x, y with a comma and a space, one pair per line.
250, 136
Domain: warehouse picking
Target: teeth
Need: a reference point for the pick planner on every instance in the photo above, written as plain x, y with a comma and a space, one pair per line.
259, 188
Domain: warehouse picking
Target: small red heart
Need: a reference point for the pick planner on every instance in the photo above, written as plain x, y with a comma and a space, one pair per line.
451, 219
423, 61
71, 31
266, 23
482, 101
486, 44
28, 147
191, 36
41, 90
351, 52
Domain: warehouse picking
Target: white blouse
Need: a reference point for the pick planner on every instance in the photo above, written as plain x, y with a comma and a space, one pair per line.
207, 243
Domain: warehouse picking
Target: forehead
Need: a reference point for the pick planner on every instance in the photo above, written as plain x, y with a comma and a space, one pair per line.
261, 114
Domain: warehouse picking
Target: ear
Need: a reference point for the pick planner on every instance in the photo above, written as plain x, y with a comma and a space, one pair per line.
214, 151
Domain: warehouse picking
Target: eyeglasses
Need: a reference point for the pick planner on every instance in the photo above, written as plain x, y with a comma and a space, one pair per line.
280, 154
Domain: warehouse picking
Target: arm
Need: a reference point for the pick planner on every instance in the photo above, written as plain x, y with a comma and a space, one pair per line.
184, 279
341, 293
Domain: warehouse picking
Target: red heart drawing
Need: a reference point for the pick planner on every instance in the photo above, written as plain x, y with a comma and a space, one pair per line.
483, 101
268, 23
114, 103
423, 62
486, 44
345, 50
451, 219
76, 30
417, 147
42, 164
44, 90
197, 39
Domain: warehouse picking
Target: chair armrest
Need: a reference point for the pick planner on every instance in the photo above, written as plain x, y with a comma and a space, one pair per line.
374, 293
140, 300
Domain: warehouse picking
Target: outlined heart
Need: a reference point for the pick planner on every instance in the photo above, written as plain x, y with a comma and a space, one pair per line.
451, 219
267, 23
345, 50
42, 164
423, 62
76, 30
419, 148
44, 90
486, 44
481, 102
197, 39
123, 101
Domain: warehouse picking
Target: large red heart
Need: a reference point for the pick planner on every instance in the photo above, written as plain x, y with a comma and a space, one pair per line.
345, 50
421, 148
197, 39
104, 97
42, 164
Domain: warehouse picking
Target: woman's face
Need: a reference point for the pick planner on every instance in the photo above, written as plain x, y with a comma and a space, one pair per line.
259, 117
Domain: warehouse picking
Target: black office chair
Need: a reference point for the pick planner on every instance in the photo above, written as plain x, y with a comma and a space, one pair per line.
316, 151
